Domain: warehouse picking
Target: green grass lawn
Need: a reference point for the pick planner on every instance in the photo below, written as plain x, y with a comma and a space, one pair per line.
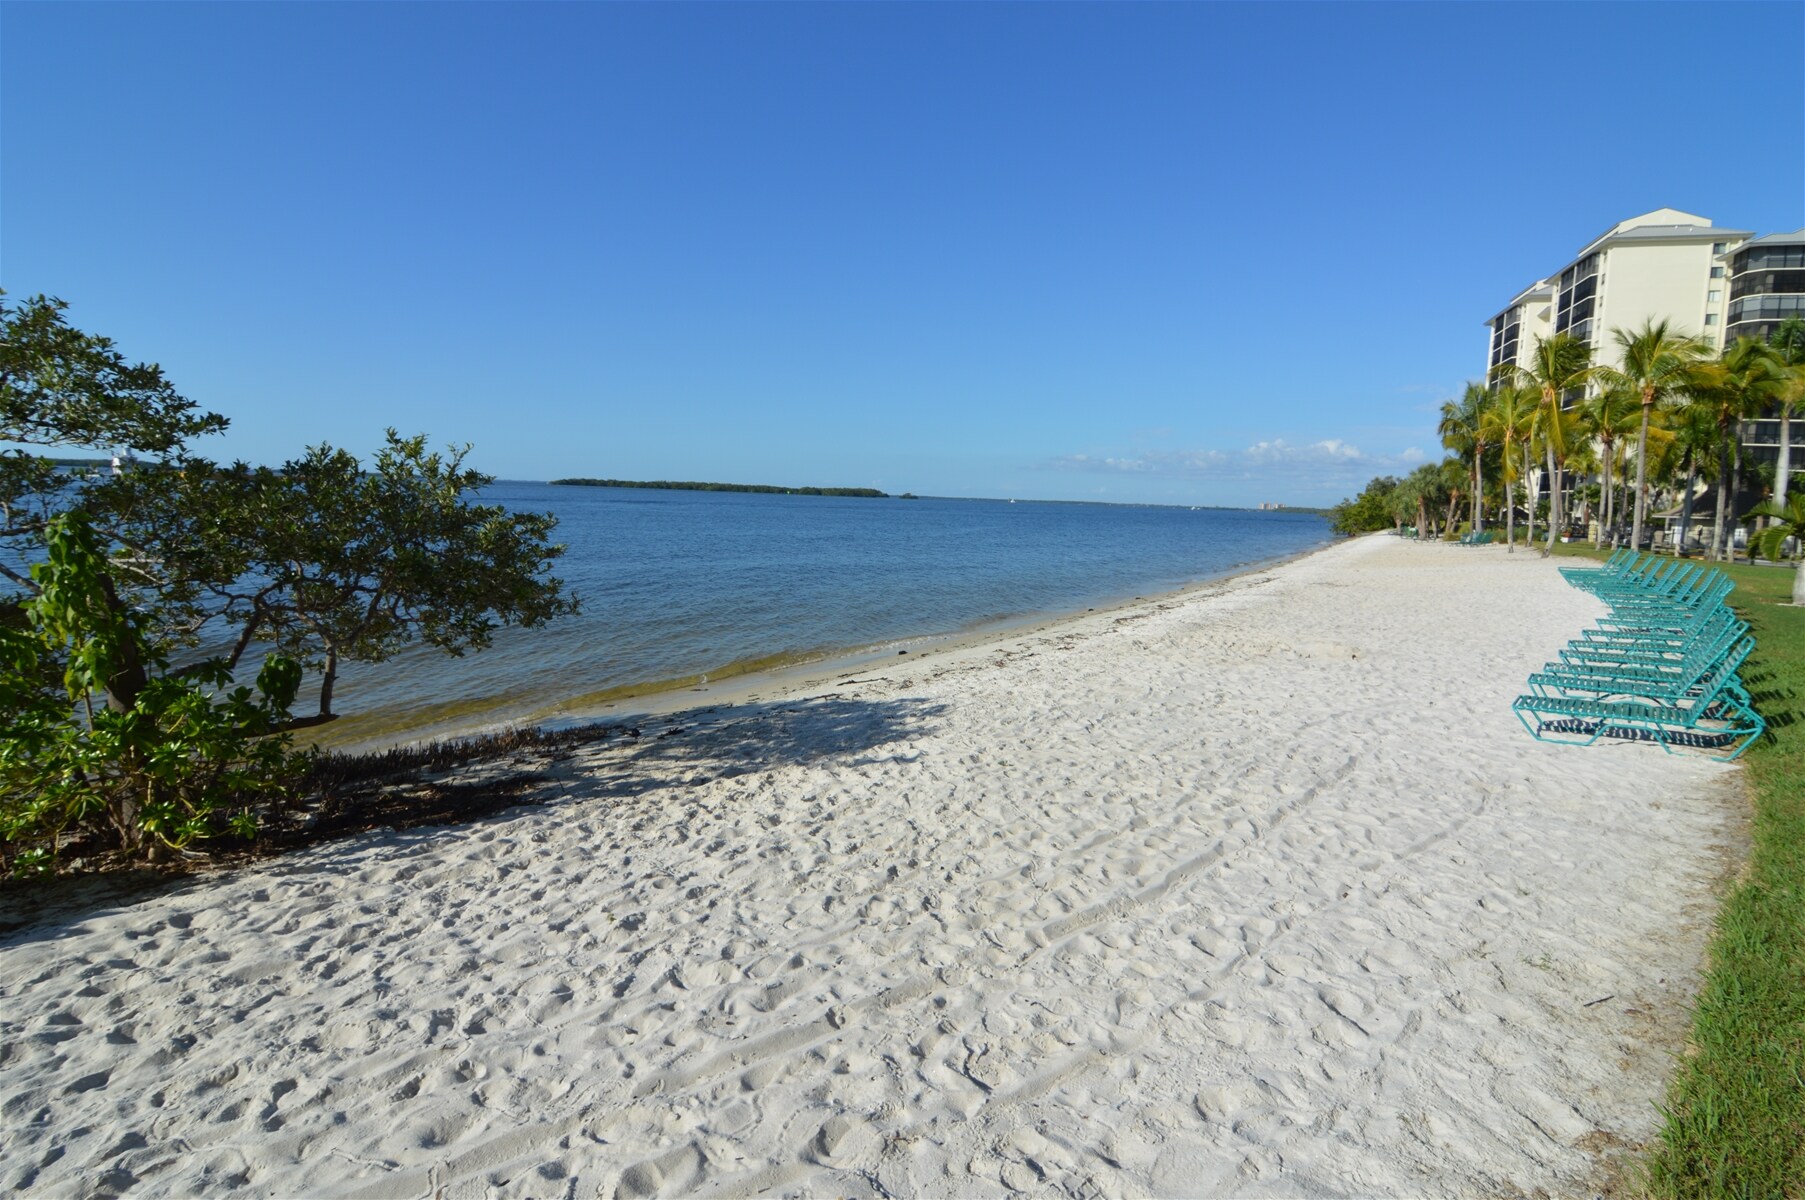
1735, 1109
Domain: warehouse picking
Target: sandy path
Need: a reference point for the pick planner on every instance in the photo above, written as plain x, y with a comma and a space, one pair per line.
1261, 891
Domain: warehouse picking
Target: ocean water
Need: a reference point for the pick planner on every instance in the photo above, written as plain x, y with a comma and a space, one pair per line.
681, 586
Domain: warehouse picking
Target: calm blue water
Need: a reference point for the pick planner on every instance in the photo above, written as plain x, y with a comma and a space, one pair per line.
678, 584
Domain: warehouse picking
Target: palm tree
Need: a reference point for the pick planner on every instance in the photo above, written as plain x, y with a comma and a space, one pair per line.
1557, 365
1506, 423
1420, 494
1788, 342
1585, 503
1739, 385
1656, 362
1688, 448
1406, 505
1453, 481
1463, 430
1609, 416
1786, 521
1661, 464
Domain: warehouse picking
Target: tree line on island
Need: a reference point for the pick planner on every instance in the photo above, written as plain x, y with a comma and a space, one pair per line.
759, 488
1665, 426
119, 732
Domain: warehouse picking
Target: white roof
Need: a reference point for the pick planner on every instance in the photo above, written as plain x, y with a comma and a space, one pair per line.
1795, 238
1541, 289
1662, 225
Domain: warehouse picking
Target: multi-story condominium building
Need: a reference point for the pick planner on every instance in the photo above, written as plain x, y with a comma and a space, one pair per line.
1667, 265
1664, 264
1528, 318
1767, 284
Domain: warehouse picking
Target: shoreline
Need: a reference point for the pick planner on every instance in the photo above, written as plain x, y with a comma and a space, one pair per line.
1255, 891
725, 686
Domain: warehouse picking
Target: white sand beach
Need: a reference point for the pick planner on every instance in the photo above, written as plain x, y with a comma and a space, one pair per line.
1257, 891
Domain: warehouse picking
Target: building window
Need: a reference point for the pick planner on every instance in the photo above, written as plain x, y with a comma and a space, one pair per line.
1718, 247
1717, 272
1768, 283
1774, 258
1713, 296
1710, 318
1772, 308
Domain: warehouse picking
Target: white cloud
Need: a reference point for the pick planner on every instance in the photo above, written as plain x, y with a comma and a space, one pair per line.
1278, 450
1325, 464
1272, 452
1155, 462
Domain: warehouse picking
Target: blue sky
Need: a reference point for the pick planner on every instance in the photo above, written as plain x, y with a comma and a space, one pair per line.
1185, 254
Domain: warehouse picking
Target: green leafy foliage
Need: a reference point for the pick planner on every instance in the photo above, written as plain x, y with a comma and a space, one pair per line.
1466, 429
328, 560
1369, 511
181, 762
1733, 1119
1788, 522
321, 561
62, 387
1734, 1115
324, 559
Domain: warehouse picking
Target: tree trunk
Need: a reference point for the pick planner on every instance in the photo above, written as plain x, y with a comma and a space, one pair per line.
1686, 504
129, 676
1603, 506
1723, 500
1648, 404
1798, 584
1533, 495
123, 687
1478, 488
1735, 486
1783, 468
1555, 523
1623, 498
1603, 518
1510, 507
123, 812
124, 684
328, 677
1613, 511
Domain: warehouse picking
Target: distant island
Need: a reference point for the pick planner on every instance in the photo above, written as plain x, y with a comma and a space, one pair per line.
767, 489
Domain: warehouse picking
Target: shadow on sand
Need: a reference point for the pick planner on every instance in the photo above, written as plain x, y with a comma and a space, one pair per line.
707, 745
452, 785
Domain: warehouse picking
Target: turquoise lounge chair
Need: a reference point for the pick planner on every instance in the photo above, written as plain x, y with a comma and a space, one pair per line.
1661, 666
1717, 714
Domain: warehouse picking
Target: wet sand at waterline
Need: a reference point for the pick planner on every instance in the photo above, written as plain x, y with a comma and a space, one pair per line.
1260, 890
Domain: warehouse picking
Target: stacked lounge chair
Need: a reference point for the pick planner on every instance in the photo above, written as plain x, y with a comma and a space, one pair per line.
1661, 667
